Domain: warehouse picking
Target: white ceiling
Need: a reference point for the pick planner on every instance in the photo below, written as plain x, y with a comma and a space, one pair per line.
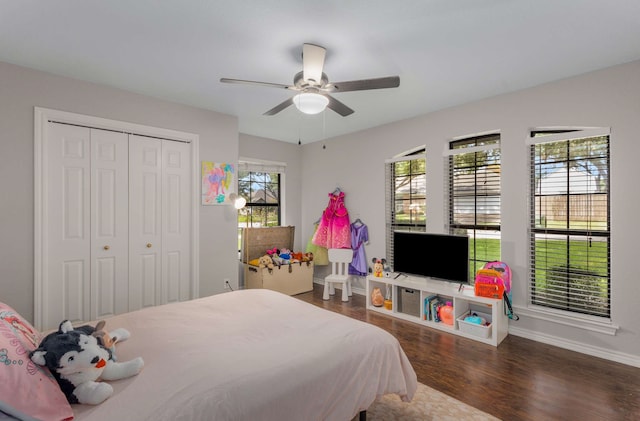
446, 52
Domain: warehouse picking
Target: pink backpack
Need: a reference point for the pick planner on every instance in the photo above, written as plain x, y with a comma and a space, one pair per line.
505, 273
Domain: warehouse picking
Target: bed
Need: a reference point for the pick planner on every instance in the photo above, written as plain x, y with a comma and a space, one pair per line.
251, 354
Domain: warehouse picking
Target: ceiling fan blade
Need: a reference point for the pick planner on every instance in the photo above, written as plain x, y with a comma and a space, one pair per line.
338, 106
252, 82
275, 110
365, 84
312, 62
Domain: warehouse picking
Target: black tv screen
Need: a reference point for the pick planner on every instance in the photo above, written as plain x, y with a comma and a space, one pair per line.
439, 256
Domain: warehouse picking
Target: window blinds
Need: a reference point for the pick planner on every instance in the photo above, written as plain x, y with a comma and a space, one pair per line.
569, 221
473, 196
405, 196
254, 165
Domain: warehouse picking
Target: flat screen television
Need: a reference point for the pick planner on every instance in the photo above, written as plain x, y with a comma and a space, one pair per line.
439, 256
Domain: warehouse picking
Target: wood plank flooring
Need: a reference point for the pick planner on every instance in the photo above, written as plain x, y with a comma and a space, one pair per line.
519, 380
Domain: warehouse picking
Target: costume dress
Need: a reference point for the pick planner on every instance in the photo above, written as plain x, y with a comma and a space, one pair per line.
334, 229
359, 236
320, 254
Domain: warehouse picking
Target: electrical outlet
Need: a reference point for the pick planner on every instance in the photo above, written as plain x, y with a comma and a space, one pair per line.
227, 285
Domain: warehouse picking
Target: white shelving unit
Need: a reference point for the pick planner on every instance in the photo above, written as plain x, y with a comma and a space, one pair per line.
464, 301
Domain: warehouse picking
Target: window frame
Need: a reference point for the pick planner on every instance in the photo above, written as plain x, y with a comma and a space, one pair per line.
391, 223
253, 165
591, 320
475, 144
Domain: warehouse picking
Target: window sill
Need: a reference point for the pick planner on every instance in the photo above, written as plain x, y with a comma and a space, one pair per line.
549, 315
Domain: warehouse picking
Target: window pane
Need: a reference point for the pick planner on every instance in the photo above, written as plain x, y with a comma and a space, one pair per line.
474, 198
405, 195
571, 273
262, 191
403, 187
570, 226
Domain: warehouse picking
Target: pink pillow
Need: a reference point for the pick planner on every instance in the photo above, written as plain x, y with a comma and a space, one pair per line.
26, 390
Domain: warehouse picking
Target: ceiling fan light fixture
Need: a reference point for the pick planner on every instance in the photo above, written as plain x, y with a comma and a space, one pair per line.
310, 102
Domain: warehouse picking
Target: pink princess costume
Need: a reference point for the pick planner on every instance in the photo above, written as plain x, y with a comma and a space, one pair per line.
334, 230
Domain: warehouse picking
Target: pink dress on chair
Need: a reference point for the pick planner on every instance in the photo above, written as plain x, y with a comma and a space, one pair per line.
334, 230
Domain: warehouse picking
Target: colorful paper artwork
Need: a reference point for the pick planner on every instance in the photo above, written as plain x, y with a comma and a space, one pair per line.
217, 182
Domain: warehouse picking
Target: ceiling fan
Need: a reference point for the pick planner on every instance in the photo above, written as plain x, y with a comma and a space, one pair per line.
314, 87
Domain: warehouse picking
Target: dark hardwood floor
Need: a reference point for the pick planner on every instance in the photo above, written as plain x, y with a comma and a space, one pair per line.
519, 380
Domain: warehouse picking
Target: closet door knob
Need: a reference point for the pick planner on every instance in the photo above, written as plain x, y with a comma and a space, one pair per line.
106, 247
149, 245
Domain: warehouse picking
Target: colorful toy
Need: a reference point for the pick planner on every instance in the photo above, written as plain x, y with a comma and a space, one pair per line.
378, 267
285, 256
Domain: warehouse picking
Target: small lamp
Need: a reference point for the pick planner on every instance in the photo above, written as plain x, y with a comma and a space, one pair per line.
310, 102
238, 201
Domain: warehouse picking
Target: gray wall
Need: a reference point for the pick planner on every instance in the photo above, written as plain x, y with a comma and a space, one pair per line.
354, 162
608, 98
21, 90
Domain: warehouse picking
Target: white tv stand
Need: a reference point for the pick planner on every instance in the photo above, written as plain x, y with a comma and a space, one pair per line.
464, 300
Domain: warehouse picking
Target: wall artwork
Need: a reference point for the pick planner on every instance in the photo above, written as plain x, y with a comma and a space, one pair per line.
217, 182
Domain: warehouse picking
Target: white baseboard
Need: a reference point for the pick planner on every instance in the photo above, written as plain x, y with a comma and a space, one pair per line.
594, 351
607, 354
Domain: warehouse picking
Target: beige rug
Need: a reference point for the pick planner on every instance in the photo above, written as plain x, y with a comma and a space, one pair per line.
427, 404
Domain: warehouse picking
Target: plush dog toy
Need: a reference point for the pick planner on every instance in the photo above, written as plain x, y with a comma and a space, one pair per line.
77, 360
265, 262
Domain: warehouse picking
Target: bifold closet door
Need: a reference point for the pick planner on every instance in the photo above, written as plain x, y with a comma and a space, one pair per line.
109, 223
159, 221
145, 222
176, 221
86, 274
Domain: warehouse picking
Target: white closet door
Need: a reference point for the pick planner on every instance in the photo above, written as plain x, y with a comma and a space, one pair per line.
68, 218
109, 223
145, 222
176, 221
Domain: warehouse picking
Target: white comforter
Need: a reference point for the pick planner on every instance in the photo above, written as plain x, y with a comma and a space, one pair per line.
251, 355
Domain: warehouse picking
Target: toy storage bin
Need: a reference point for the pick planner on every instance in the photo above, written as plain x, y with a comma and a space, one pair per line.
473, 328
292, 279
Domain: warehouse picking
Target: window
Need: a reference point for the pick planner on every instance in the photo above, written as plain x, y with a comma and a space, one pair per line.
474, 196
405, 196
569, 226
260, 184
262, 193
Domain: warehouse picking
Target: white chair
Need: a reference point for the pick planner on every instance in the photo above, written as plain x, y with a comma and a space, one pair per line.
339, 259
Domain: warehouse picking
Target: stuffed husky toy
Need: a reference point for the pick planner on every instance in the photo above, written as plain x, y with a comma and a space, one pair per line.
77, 360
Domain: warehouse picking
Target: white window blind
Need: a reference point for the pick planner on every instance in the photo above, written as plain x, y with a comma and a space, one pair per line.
405, 196
253, 165
473, 196
569, 221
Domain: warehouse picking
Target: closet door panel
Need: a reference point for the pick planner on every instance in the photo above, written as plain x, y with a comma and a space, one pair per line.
110, 223
145, 219
176, 215
68, 218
